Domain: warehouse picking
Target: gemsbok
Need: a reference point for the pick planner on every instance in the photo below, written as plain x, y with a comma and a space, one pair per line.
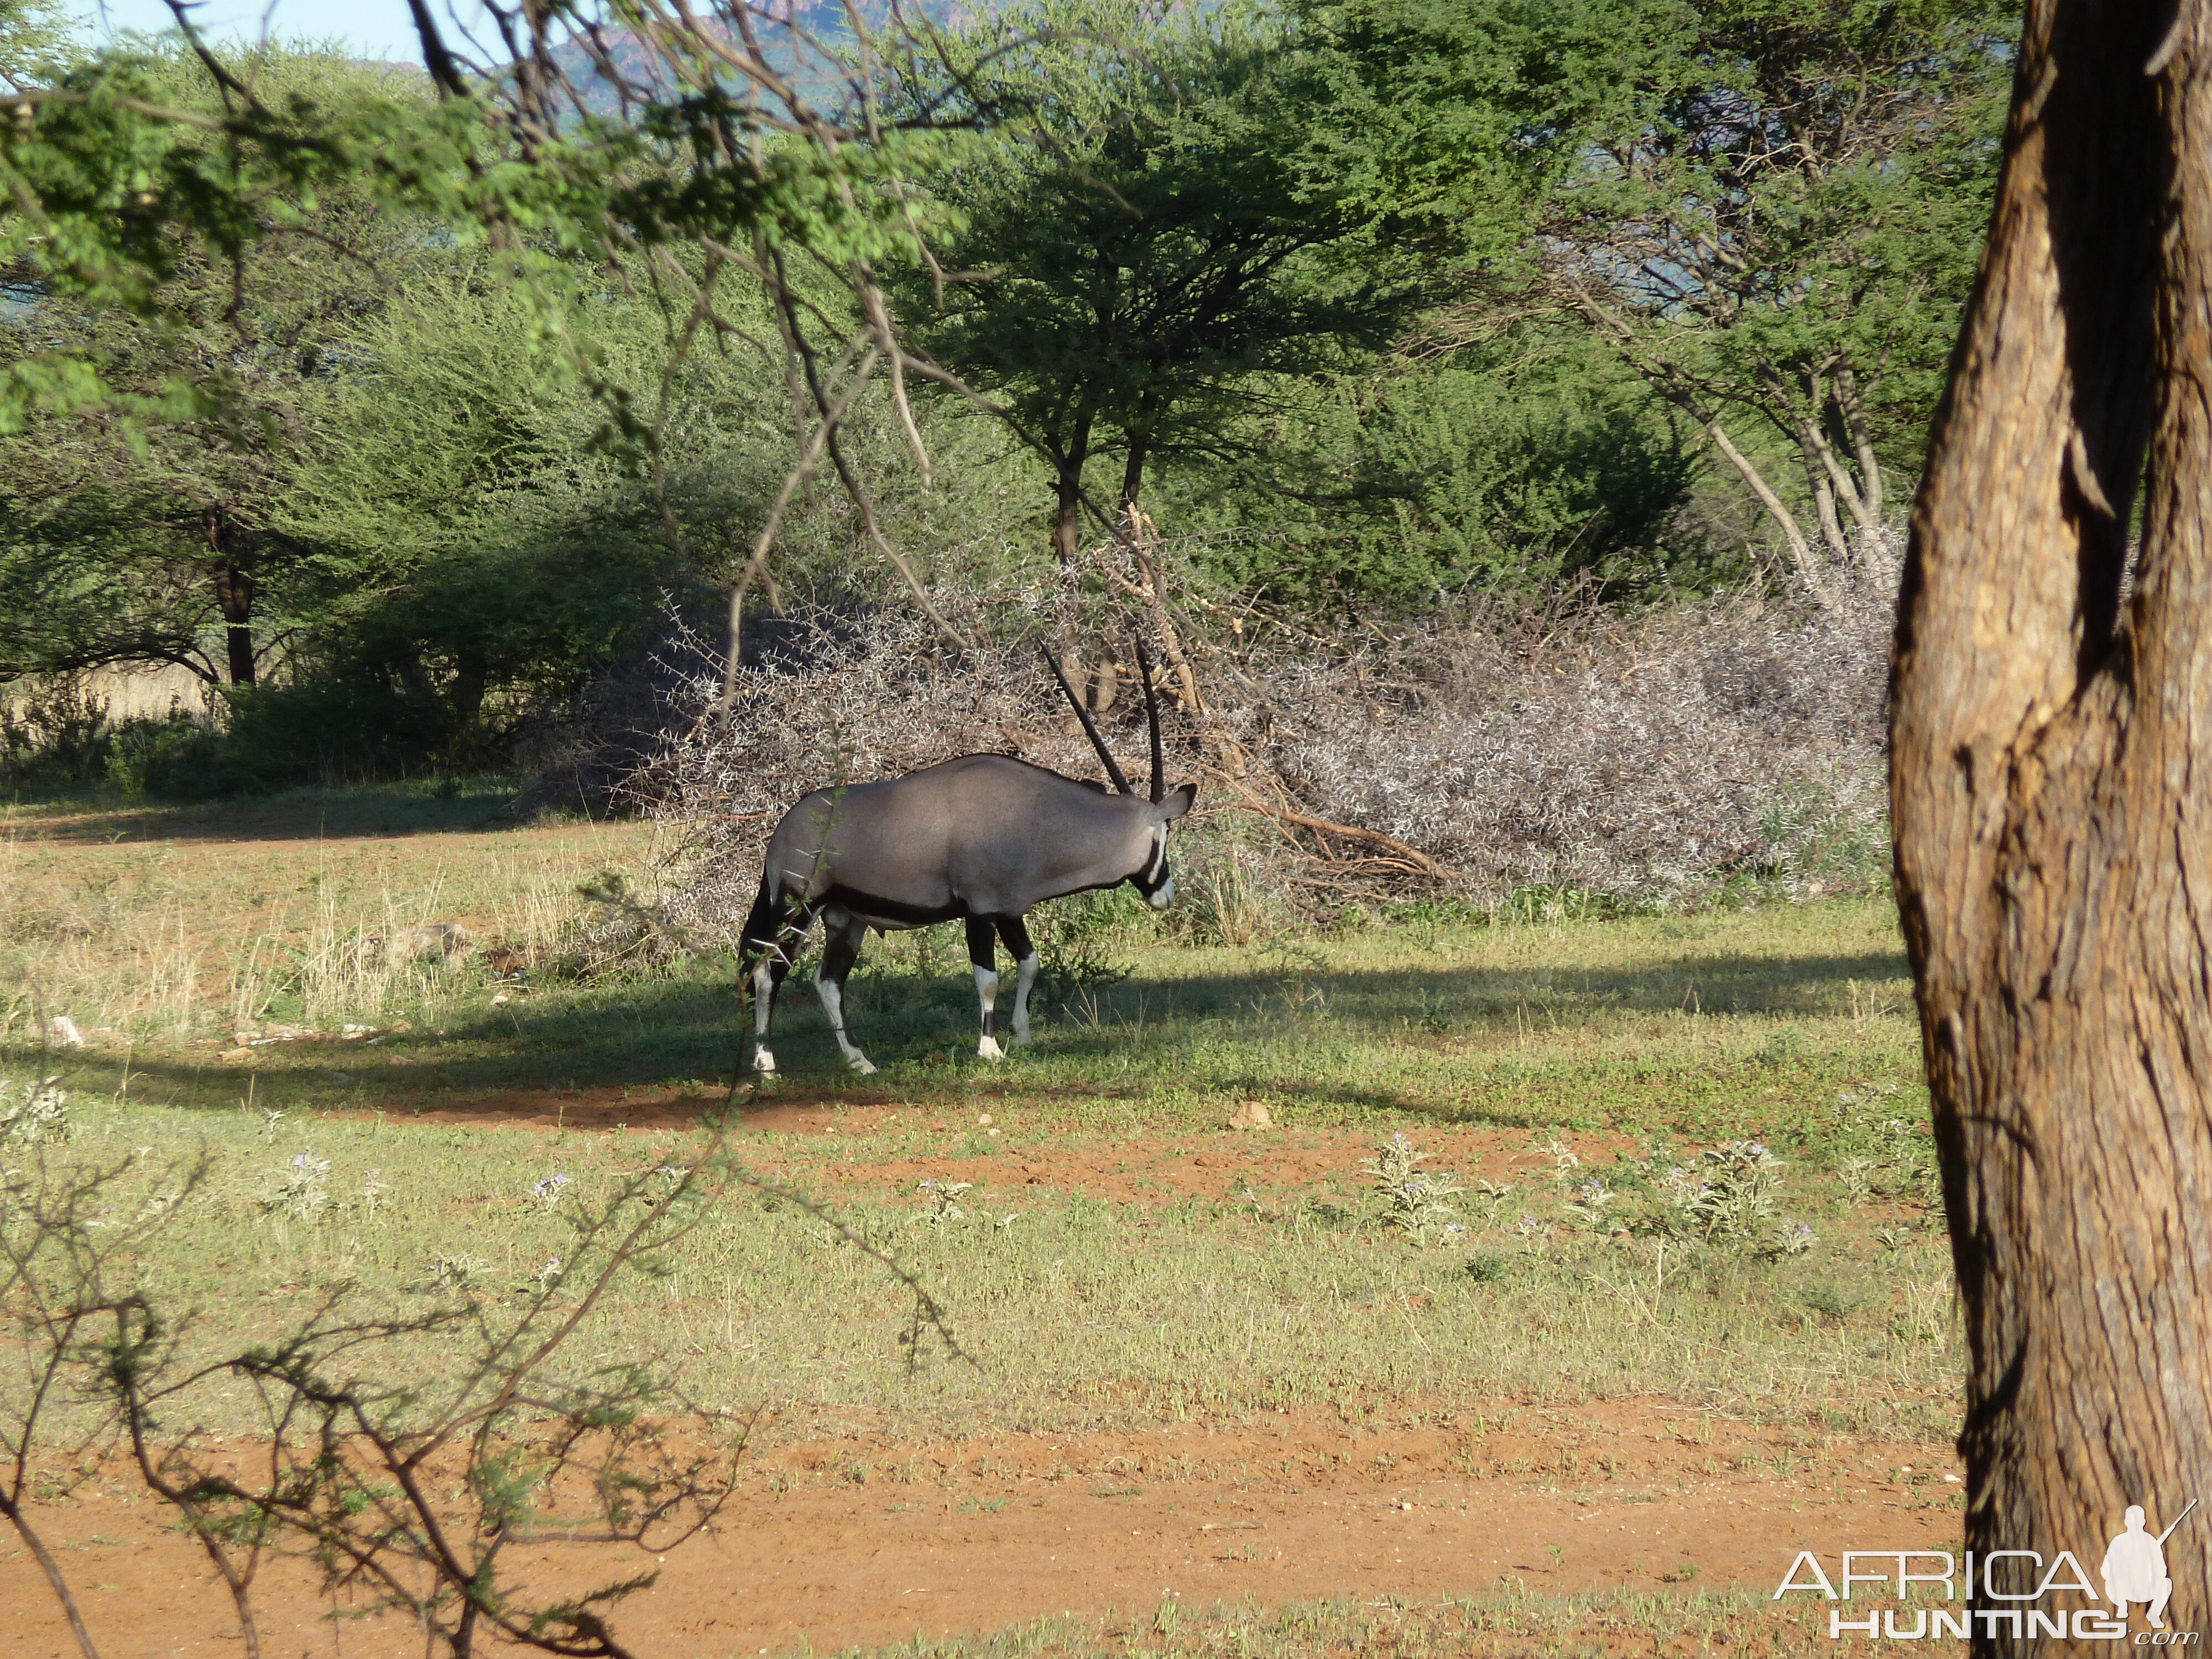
981, 839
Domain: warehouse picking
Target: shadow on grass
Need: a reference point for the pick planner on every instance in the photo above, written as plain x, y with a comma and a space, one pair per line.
368, 811
1210, 1034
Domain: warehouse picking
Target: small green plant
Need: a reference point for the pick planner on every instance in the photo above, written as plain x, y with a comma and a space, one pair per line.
1494, 1194
34, 1112
1730, 1198
1416, 1202
1592, 1206
450, 1272
298, 1190
368, 1198
1829, 1300
1781, 1048
1792, 1238
944, 1198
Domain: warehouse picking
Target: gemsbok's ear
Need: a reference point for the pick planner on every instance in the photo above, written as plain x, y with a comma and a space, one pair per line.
1179, 801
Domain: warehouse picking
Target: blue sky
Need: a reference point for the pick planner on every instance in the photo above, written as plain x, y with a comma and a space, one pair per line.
372, 28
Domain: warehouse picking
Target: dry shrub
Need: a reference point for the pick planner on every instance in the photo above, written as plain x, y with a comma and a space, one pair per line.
1658, 759
1655, 759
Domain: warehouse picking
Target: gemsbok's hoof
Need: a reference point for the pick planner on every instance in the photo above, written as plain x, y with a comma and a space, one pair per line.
988, 1048
862, 1066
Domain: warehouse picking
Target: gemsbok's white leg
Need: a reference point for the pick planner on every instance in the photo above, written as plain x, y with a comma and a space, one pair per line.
1025, 972
841, 948
763, 1005
833, 1004
987, 993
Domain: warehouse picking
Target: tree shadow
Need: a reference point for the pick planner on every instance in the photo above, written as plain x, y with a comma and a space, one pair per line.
297, 815
685, 1037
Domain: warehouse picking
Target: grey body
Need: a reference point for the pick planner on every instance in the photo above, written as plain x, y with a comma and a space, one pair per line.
979, 839
982, 836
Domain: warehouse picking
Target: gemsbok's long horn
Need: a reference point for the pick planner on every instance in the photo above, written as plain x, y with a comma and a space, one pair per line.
1152, 719
1089, 725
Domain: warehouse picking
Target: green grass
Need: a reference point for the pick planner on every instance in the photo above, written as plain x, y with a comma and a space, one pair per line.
1122, 1260
1645, 1042
1636, 1045
475, 802
1710, 1026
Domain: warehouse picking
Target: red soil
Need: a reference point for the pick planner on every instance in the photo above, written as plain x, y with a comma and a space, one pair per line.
865, 1542
964, 1538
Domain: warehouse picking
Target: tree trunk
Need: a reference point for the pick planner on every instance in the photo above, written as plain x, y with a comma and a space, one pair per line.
471, 678
1820, 480
1067, 516
1137, 440
1855, 427
1067, 522
2051, 792
1100, 686
1807, 568
233, 594
1834, 485
1133, 472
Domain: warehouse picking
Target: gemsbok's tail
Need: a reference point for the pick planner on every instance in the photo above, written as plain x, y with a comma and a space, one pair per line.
763, 923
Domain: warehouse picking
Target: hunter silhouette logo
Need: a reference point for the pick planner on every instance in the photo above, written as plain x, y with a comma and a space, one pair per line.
1996, 1601
2134, 1567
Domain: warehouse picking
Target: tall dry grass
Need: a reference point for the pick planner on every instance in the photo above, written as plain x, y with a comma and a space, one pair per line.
189, 939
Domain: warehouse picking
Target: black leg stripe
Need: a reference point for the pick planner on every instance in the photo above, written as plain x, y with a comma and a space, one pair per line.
990, 1023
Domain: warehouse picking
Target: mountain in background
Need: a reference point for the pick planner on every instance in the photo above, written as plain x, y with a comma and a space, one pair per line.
799, 37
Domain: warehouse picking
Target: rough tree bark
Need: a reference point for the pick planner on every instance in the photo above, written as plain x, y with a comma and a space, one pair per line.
2052, 782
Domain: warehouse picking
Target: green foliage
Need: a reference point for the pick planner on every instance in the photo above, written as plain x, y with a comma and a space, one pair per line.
1766, 209
1415, 1202
172, 540
323, 376
310, 732
1515, 467
54, 735
1155, 249
33, 1111
1080, 940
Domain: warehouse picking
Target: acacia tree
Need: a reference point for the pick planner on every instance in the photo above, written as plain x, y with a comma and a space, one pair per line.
693, 158
1144, 242
1764, 209
167, 540
2051, 780
1771, 217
